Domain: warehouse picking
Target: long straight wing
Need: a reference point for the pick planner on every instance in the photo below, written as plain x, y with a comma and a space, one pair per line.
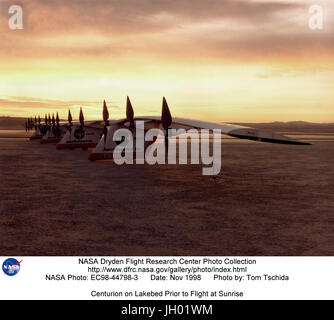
236, 131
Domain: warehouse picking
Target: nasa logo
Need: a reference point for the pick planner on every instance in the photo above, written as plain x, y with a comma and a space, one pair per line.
79, 133
11, 266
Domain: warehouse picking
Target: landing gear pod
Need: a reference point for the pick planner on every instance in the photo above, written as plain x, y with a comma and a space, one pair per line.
80, 137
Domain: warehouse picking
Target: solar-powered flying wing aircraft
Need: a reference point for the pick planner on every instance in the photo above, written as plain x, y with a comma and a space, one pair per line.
107, 145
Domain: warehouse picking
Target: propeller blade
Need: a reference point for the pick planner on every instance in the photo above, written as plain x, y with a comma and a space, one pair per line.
166, 117
53, 130
166, 120
105, 112
69, 117
129, 112
57, 119
57, 125
106, 121
49, 124
81, 118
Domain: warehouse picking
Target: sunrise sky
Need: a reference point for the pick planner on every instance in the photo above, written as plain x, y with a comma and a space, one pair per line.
217, 60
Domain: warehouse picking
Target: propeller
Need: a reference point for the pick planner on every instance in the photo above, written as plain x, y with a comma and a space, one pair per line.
49, 122
69, 118
57, 125
105, 113
46, 123
106, 120
81, 118
39, 124
130, 113
53, 125
166, 120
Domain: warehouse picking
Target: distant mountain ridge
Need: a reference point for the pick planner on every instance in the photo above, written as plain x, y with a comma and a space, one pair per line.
11, 123
288, 124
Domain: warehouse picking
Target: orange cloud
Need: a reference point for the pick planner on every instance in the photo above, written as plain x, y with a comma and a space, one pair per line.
201, 54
